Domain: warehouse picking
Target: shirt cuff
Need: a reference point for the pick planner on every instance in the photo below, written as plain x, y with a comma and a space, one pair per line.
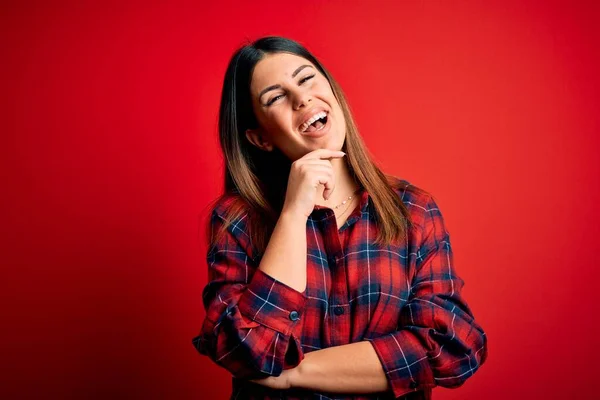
405, 362
272, 303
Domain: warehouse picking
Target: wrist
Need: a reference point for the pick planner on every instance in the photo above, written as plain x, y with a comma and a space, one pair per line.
299, 373
293, 217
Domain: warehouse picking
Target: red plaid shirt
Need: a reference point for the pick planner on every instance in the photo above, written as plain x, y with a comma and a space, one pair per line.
405, 299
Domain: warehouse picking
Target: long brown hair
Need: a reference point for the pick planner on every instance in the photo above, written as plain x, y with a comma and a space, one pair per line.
256, 181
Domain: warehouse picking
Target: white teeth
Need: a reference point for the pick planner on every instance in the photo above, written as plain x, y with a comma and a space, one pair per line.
315, 117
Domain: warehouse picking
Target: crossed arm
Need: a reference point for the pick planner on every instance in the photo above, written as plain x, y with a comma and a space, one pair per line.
350, 368
438, 341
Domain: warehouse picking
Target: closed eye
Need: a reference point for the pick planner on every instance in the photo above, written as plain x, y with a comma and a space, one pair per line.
273, 99
281, 95
306, 78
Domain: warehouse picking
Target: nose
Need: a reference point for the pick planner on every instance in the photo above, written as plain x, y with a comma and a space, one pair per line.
301, 99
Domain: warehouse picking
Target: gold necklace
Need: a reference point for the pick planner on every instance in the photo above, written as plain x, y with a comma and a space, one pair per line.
343, 212
347, 200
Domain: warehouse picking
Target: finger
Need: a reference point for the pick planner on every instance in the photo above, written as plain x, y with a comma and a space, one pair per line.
324, 153
311, 164
317, 161
329, 185
320, 169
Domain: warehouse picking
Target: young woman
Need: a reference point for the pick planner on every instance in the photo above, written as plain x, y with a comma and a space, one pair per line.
327, 278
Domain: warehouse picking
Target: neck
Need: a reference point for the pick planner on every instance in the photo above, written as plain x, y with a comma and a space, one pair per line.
344, 185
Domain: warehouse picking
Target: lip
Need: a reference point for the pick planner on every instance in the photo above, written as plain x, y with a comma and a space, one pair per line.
322, 132
310, 114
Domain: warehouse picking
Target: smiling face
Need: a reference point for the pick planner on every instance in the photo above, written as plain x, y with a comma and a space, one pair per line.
288, 94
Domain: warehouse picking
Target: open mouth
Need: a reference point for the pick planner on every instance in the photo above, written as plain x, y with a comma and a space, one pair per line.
315, 123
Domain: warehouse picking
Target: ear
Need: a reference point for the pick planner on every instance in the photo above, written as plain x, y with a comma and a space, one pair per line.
258, 139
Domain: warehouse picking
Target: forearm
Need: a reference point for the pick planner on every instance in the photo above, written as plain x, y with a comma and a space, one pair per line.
350, 368
285, 256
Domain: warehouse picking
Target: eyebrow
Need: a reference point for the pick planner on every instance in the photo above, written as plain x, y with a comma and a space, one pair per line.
273, 87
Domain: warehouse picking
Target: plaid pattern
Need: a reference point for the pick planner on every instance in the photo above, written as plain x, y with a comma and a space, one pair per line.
404, 298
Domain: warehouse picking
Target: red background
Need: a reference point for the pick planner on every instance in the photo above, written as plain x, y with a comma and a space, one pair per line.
109, 116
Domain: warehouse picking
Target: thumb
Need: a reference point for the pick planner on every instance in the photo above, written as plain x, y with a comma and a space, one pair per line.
327, 191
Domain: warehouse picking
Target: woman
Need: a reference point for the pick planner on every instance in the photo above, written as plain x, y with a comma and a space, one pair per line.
327, 278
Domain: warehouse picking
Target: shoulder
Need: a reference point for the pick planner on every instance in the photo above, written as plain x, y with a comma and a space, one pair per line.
230, 213
225, 204
419, 202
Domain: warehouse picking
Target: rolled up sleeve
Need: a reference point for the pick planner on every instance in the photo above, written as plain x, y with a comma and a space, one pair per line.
250, 316
439, 342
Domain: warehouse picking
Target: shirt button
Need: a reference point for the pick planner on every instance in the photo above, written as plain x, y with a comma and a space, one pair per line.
338, 310
294, 316
413, 385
